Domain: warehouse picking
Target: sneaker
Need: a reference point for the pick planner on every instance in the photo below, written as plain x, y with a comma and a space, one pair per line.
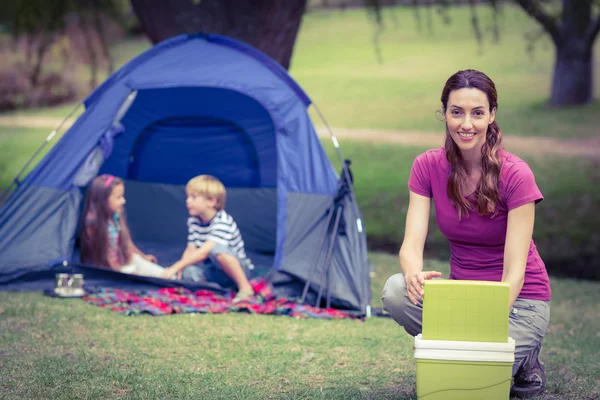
242, 295
530, 380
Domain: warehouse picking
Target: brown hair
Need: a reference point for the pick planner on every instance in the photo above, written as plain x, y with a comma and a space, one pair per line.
208, 186
487, 193
94, 235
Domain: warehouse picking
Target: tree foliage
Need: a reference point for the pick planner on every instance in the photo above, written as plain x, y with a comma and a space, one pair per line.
40, 24
570, 24
268, 25
272, 26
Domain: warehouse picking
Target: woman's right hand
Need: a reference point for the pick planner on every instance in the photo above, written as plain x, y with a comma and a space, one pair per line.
415, 282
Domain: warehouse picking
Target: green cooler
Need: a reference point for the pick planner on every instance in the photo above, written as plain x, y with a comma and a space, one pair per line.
464, 352
474, 311
458, 370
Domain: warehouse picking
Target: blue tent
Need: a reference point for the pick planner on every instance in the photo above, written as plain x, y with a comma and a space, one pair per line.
194, 104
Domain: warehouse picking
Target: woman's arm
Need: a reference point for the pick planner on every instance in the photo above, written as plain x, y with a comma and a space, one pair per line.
411, 252
415, 233
516, 248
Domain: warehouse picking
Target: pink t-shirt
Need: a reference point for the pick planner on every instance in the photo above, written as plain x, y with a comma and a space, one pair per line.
477, 242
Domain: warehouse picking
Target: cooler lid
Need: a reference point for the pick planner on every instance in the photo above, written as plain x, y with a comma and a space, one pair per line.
464, 351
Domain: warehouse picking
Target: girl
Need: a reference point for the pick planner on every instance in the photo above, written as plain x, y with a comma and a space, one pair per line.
105, 239
484, 199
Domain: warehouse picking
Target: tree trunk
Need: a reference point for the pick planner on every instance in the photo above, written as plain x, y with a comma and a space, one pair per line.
573, 36
269, 25
572, 83
101, 32
87, 34
43, 47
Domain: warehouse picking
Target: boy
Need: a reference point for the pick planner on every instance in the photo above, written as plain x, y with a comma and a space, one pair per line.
215, 249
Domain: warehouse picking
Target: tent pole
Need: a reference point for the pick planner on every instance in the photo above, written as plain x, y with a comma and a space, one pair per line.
338, 213
16, 180
359, 224
355, 210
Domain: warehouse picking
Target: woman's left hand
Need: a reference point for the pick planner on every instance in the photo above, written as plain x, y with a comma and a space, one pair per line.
150, 257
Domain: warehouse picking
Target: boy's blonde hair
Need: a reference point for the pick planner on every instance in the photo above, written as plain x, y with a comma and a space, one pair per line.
209, 186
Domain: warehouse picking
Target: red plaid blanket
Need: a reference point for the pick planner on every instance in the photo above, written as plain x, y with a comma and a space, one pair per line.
180, 300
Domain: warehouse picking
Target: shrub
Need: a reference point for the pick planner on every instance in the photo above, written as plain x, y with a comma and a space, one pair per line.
13, 88
17, 92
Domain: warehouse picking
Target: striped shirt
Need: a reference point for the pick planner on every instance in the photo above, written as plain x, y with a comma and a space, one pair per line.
221, 230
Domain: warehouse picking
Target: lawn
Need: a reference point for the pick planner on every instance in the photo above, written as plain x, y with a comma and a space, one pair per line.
17, 146
65, 349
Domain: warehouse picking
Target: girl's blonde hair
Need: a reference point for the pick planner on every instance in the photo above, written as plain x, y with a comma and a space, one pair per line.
96, 214
208, 186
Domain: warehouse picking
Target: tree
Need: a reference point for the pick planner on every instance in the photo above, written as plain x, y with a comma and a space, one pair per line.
41, 24
268, 25
573, 32
272, 26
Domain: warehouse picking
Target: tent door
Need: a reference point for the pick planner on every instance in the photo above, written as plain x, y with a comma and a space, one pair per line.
176, 149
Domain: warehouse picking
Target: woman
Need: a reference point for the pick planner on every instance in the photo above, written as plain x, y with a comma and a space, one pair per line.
485, 206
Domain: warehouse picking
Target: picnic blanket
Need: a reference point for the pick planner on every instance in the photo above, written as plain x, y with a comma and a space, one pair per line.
180, 300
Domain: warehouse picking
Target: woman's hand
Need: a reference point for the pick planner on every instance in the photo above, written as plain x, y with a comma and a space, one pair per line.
415, 282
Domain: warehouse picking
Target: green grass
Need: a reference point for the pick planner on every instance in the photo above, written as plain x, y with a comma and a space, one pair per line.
66, 349
63, 349
17, 146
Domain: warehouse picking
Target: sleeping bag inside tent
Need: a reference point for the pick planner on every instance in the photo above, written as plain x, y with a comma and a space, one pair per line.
194, 104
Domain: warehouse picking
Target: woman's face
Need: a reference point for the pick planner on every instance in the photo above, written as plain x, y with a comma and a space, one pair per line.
467, 118
116, 200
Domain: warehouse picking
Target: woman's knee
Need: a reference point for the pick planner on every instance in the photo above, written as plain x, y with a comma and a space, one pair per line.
395, 286
396, 302
528, 323
393, 295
